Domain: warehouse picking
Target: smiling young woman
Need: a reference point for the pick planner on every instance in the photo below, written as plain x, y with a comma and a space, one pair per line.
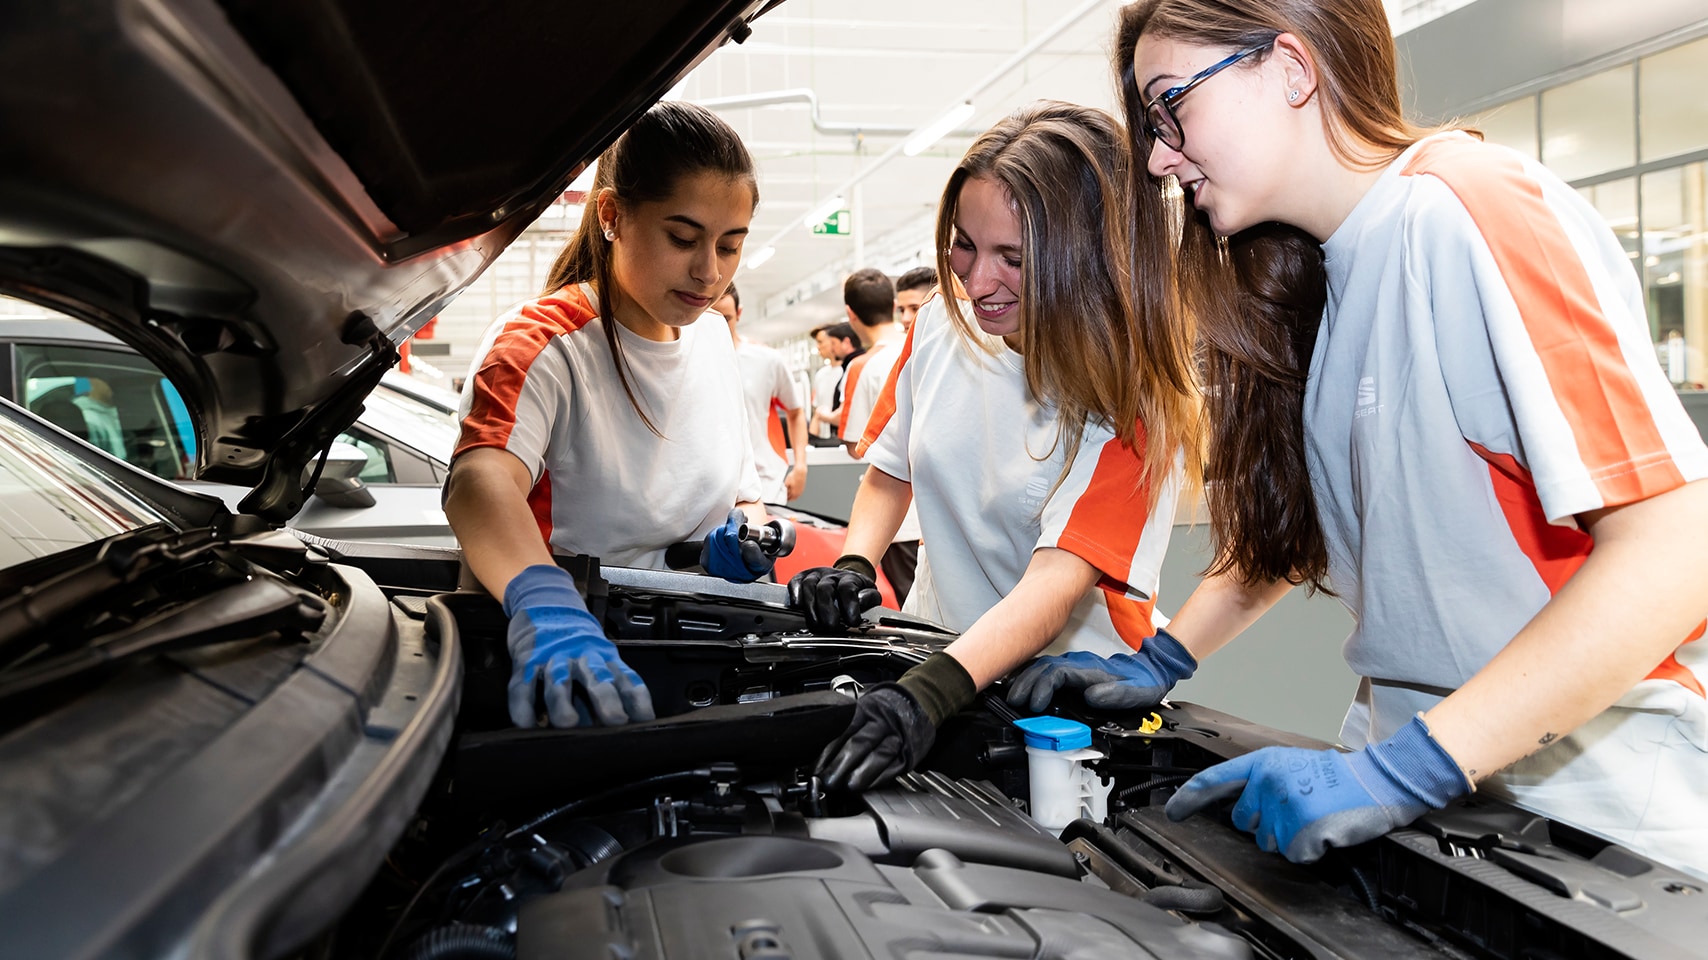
548, 464
1430, 388
1037, 424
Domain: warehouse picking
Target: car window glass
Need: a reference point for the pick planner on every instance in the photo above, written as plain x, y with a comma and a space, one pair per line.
378, 452
423, 428
111, 398
50, 501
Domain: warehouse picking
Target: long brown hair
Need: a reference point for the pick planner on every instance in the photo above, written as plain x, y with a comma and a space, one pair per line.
671, 141
1088, 348
1258, 296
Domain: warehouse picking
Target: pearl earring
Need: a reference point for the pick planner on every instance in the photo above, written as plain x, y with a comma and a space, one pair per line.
1293, 96
610, 234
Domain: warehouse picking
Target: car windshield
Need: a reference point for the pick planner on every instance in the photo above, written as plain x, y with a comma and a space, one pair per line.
51, 501
411, 422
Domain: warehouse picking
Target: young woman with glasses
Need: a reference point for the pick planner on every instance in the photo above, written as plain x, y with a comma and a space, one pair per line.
1431, 389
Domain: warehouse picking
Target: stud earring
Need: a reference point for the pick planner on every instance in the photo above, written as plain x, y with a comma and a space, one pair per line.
1293, 96
610, 234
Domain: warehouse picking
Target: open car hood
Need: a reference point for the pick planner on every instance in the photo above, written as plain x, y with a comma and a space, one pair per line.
266, 198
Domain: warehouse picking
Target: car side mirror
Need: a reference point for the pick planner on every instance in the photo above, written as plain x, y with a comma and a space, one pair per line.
340, 484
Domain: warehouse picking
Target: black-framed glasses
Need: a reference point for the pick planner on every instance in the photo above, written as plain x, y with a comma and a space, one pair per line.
1160, 120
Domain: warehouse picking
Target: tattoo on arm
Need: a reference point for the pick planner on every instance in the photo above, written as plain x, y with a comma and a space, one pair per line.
1548, 738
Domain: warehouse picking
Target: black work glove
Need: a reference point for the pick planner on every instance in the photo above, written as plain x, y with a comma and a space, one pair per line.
895, 725
833, 598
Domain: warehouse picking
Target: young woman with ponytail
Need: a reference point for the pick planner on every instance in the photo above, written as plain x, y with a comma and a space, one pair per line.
603, 419
1430, 390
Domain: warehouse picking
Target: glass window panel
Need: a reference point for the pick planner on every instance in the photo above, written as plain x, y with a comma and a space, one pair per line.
1510, 125
1587, 125
1675, 111
1616, 201
1675, 269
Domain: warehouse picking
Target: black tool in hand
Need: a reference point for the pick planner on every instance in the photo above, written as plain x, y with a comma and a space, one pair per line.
776, 538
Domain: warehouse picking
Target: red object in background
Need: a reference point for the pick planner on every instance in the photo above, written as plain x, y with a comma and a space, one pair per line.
428, 330
776, 433
819, 546
403, 357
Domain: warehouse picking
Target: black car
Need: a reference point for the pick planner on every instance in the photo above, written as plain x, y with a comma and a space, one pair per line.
219, 739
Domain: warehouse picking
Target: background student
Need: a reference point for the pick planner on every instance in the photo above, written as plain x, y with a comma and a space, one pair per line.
913, 288
768, 389
869, 297
843, 345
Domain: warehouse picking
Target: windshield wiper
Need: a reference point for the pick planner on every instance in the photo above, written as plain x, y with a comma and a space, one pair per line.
122, 560
243, 610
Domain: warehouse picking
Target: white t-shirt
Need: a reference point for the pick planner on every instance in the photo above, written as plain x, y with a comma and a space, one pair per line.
543, 386
764, 379
880, 361
824, 381
863, 399
1483, 374
984, 460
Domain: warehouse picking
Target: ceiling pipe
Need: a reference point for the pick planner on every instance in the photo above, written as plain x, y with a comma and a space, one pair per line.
749, 101
1007, 66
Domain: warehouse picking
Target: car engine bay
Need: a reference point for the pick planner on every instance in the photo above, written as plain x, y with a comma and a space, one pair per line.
705, 833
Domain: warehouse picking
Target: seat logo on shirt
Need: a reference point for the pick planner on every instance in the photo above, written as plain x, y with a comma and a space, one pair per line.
1037, 489
1367, 404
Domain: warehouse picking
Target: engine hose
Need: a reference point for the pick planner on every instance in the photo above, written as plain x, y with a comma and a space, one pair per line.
1154, 783
1367, 886
1193, 897
463, 941
1169, 889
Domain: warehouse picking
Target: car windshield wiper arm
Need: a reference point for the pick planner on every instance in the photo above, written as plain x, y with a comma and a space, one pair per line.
243, 610
120, 560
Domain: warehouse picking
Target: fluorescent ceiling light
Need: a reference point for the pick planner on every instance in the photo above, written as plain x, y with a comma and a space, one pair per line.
822, 212
932, 132
758, 258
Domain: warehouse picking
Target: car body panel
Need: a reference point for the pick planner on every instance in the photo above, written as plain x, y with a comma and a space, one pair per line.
202, 185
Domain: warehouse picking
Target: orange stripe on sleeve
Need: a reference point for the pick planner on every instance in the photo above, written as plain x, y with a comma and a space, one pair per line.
1132, 618
1616, 434
1108, 519
849, 382
498, 383
886, 406
1555, 551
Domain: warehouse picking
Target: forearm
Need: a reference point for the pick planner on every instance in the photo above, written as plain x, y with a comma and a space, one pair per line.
880, 505
1027, 620
798, 437
493, 522
1635, 599
1220, 609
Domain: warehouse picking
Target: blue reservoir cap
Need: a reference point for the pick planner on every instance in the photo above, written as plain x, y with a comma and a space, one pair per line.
1055, 733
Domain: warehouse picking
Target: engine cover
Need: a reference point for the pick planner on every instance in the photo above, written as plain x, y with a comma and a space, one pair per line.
792, 898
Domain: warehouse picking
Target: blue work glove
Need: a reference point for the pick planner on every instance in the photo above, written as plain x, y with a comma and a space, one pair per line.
728, 556
1301, 802
1124, 681
553, 638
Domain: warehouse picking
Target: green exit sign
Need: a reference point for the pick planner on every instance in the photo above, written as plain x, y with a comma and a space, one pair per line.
839, 224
